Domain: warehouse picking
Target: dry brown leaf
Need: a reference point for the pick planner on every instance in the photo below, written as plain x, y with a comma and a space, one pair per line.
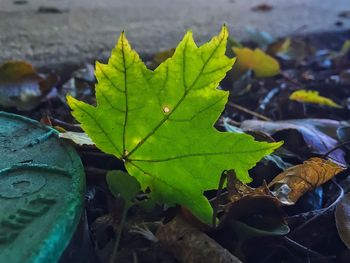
252, 211
291, 184
190, 245
236, 189
246, 201
342, 219
22, 87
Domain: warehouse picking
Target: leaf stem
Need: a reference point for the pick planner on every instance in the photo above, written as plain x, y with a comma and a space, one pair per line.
241, 108
217, 199
117, 242
336, 148
303, 249
292, 81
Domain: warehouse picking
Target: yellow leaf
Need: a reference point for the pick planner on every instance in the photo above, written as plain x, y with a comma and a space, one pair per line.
345, 48
280, 46
257, 60
311, 96
291, 184
340, 58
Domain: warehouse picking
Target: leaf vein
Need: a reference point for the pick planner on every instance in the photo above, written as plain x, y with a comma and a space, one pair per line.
100, 127
199, 154
126, 97
178, 103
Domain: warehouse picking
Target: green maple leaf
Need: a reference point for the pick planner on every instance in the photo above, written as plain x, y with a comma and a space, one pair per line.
161, 122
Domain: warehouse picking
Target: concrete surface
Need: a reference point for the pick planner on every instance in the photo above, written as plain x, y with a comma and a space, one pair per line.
84, 30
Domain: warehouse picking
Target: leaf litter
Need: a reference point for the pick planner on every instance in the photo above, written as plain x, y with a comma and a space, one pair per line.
295, 206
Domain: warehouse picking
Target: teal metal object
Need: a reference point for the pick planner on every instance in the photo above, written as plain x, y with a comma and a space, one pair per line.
42, 185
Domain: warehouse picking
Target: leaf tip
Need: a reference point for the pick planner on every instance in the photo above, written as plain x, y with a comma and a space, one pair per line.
70, 101
98, 66
122, 39
233, 60
224, 31
278, 144
189, 34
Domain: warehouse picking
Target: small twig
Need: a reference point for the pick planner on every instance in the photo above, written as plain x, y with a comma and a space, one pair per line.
302, 248
267, 99
299, 30
336, 148
134, 257
241, 108
66, 125
221, 122
294, 245
273, 252
319, 213
292, 81
304, 216
117, 242
217, 199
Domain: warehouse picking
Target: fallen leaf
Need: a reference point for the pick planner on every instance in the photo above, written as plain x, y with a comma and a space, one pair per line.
191, 245
80, 85
259, 136
343, 134
291, 49
342, 219
79, 138
256, 216
252, 212
22, 87
262, 7
291, 184
20, 2
51, 10
340, 58
345, 77
345, 48
237, 190
310, 96
304, 137
262, 64
279, 46
344, 14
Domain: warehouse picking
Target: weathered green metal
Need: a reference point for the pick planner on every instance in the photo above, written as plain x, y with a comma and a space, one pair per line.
42, 185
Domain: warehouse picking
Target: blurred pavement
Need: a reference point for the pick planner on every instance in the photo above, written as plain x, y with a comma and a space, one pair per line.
52, 32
